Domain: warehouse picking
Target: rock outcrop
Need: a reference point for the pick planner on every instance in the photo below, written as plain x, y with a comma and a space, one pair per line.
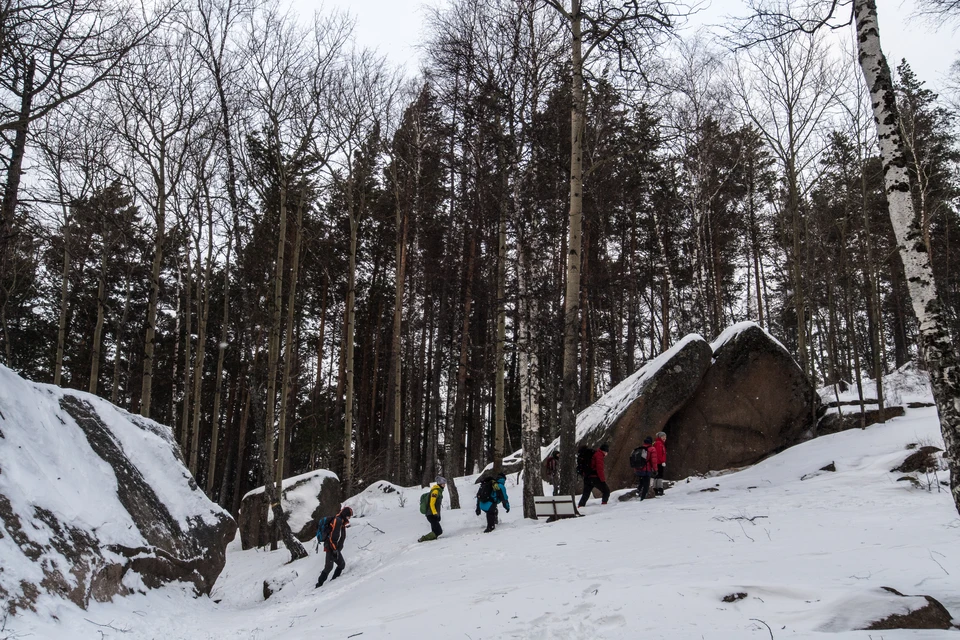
96, 502
305, 499
642, 404
753, 401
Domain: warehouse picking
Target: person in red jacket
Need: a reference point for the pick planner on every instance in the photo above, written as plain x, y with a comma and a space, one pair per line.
660, 444
596, 476
649, 468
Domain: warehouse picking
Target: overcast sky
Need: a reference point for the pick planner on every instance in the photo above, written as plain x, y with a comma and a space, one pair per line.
394, 27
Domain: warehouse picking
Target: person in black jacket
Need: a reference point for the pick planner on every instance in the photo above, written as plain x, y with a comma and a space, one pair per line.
333, 545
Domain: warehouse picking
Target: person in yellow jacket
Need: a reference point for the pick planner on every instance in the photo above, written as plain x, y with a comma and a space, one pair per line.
433, 510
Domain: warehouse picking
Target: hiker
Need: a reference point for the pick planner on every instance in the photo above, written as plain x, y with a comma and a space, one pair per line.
491, 493
333, 545
660, 444
433, 510
644, 463
596, 476
550, 469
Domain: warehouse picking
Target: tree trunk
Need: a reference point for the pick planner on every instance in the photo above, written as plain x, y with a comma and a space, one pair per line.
115, 389
529, 375
571, 311
218, 392
288, 342
11, 188
146, 388
935, 344
64, 288
499, 348
348, 329
201, 348
98, 328
187, 353
394, 385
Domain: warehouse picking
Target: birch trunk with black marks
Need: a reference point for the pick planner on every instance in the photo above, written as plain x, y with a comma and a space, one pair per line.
935, 344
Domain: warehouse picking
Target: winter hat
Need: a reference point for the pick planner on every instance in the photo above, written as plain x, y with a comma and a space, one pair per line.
346, 512
661, 434
441, 481
648, 440
605, 447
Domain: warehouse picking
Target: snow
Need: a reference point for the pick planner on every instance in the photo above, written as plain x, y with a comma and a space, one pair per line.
906, 384
46, 462
299, 496
811, 554
734, 330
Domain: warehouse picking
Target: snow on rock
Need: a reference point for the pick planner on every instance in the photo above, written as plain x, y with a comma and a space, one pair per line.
305, 499
906, 385
753, 401
382, 496
96, 502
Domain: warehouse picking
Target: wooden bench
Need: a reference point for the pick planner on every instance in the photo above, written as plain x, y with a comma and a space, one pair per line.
555, 507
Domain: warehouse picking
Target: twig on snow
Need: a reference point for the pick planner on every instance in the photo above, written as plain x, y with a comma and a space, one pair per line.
938, 563
373, 527
108, 626
724, 533
745, 532
764, 624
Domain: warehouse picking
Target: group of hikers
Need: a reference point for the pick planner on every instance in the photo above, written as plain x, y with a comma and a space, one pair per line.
648, 462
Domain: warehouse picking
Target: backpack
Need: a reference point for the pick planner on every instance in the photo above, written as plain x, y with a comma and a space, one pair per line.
638, 459
425, 503
584, 456
485, 494
325, 528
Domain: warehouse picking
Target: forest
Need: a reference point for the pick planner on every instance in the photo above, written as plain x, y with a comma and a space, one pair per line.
237, 221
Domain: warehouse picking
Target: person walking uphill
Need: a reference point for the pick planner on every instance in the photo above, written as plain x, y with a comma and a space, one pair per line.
660, 444
491, 493
644, 463
430, 505
596, 476
333, 545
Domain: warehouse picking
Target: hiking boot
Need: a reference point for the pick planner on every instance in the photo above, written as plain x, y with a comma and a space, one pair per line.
488, 529
319, 583
428, 537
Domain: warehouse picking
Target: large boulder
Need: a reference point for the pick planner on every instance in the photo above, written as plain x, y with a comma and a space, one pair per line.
641, 405
305, 499
96, 502
753, 401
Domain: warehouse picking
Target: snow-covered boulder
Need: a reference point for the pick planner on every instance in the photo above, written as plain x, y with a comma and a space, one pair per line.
641, 405
96, 502
305, 499
753, 401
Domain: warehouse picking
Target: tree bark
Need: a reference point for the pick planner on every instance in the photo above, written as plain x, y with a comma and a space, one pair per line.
571, 311
288, 355
935, 344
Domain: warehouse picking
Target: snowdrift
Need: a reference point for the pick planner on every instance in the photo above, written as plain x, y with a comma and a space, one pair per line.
96, 502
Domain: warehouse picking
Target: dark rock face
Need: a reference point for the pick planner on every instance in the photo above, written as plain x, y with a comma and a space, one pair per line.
195, 554
78, 564
833, 423
753, 401
305, 500
646, 409
931, 616
922, 460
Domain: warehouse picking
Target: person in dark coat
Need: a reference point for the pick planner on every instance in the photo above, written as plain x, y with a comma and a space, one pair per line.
660, 444
596, 476
433, 510
491, 493
550, 469
648, 470
333, 545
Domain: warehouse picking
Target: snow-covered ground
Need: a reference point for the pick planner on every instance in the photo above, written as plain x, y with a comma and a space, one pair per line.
811, 555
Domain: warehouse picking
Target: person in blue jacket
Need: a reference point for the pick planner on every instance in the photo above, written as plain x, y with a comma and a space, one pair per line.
492, 492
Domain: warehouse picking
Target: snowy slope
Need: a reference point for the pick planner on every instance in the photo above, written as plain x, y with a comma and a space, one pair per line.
811, 561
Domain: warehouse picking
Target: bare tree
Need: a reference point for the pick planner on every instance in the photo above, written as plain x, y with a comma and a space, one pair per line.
624, 30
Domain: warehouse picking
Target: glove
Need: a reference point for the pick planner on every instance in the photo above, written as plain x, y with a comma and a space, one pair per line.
664, 465
478, 510
507, 509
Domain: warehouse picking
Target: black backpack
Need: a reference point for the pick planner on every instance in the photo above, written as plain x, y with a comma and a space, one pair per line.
638, 459
485, 494
584, 456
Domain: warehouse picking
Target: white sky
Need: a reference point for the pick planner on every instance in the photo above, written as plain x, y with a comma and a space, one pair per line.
395, 27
